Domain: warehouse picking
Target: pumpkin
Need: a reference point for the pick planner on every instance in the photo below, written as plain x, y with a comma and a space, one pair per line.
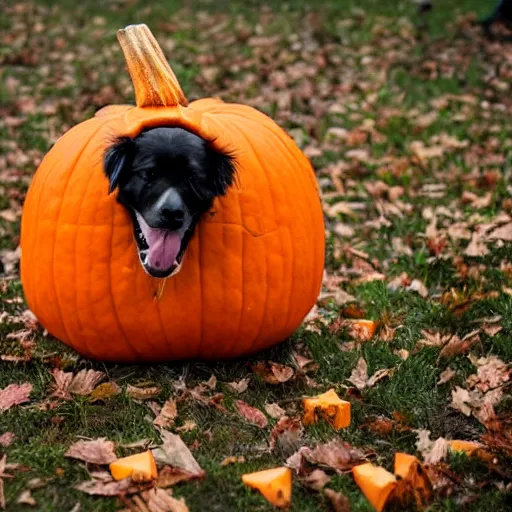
140, 467
375, 482
274, 484
330, 406
249, 276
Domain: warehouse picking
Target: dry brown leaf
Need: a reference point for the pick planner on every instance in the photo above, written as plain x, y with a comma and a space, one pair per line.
26, 498
387, 334
158, 500
274, 411
418, 287
402, 354
85, 381
188, 426
174, 452
503, 233
169, 476
105, 390
316, 480
445, 376
6, 439
286, 434
240, 386
458, 346
167, 415
339, 502
281, 372
96, 451
105, 487
337, 455
359, 375
433, 339
378, 376
142, 393
491, 373
476, 247
438, 451
14, 394
460, 400
251, 414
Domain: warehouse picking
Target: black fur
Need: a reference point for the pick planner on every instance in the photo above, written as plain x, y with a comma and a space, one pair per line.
142, 169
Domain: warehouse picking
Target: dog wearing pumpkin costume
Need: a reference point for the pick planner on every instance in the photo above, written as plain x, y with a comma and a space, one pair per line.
167, 178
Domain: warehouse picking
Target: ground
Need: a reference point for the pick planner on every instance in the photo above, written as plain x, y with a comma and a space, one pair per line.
406, 119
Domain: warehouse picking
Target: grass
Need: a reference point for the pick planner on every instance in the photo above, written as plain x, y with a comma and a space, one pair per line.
381, 70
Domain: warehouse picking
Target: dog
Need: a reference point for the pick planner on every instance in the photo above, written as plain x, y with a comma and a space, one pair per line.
166, 178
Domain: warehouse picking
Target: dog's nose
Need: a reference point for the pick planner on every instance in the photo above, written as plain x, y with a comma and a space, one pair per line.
173, 217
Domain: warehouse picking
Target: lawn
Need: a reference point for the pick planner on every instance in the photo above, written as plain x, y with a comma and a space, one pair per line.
406, 119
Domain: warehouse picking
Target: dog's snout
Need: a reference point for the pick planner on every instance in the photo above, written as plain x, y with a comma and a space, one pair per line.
173, 217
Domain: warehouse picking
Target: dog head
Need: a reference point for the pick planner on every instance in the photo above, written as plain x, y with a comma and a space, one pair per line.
166, 178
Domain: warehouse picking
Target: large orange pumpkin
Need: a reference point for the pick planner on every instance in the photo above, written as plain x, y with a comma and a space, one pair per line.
250, 274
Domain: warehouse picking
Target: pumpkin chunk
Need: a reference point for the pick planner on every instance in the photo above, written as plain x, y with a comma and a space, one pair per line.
141, 467
275, 485
468, 447
330, 406
403, 463
375, 482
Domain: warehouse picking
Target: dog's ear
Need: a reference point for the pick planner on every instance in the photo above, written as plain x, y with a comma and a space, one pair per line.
222, 171
117, 159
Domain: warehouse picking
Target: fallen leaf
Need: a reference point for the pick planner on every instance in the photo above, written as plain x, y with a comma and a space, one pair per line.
96, 451
105, 390
167, 415
105, 487
274, 411
339, 502
476, 247
26, 498
14, 394
174, 452
188, 426
286, 434
402, 354
85, 381
316, 480
337, 455
273, 373
359, 375
251, 414
387, 334
169, 476
142, 393
458, 346
6, 439
433, 339
438, 451
240, 386
491, 373
503, 233
460, 399
158, 500
445, 376
418, 287
378, 376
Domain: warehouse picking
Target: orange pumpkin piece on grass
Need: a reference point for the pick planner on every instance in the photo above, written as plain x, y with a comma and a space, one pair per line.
403, 463
141, 467
467, 447
274, 484
328, 405
375, 482
251, 273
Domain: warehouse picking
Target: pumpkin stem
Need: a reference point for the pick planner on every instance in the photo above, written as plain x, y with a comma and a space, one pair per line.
154, 82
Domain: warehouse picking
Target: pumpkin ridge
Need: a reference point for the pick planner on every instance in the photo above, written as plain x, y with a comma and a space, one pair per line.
253, 342
68, 180
112, 296
75, 240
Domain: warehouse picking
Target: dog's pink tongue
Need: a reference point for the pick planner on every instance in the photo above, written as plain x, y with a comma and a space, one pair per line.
163, 250
164, 245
